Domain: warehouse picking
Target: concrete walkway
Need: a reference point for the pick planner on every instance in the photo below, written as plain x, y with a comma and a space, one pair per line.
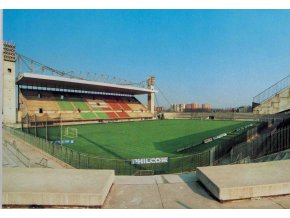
176, 192
35, 155
9, 159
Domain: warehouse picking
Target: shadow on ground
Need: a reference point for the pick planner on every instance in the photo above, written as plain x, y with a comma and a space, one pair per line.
171, 146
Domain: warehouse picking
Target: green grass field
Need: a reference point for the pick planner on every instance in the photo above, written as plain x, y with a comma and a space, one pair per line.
144, 139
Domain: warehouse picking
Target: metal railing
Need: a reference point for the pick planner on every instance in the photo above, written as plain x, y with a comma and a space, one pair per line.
265, 144
273, 90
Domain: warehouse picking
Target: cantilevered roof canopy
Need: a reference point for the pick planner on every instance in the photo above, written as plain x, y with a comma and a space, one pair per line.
48, 81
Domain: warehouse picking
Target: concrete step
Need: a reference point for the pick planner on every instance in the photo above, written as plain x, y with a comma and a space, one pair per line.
239, 181
56, 187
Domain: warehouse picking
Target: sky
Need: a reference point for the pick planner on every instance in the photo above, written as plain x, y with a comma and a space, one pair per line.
221, 57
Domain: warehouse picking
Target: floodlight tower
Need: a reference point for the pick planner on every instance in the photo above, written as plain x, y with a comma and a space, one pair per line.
150, 85
9, 90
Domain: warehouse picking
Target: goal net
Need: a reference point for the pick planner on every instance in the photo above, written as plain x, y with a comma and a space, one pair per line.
71, 132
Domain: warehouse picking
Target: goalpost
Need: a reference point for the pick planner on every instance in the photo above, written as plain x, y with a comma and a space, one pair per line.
71, 132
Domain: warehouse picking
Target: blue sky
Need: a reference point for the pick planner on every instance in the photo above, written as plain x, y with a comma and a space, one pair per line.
221, 57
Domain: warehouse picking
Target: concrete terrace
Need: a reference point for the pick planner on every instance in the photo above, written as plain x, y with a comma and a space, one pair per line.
182, 191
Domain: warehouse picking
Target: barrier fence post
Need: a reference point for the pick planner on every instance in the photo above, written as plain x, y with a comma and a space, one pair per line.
88, 161
35, 125
279, 140
211, 156
27, 124
130, 168
46, 128
71, 157
182, 164
168, 165
52, 152
116, 166
287, 137
79, 156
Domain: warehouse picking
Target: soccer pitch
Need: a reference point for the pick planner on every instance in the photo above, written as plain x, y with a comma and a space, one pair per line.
144, 139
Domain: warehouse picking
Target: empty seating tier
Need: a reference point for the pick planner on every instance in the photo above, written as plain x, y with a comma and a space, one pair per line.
51, 105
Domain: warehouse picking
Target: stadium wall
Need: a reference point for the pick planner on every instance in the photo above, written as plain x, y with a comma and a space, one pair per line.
221, 116
276, 104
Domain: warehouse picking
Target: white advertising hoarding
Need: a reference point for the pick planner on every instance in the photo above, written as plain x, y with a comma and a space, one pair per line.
150, 160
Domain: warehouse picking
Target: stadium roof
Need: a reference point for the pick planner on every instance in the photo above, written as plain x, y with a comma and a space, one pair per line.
48, 81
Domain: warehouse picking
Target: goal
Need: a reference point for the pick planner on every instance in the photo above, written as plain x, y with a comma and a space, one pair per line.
71, 132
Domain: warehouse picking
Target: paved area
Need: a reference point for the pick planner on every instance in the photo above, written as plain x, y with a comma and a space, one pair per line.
37, 157
238, 181
63, 187
177, 192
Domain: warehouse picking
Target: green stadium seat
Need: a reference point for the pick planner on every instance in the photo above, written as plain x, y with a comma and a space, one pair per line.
65, 105
102, 115
88, 115
80, 104
97, 108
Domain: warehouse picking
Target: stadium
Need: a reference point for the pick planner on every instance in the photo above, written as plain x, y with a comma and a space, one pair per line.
105, 124
100, 124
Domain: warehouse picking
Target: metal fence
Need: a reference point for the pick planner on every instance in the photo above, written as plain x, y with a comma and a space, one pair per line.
224, 148
264, 144
230, 151
80, 160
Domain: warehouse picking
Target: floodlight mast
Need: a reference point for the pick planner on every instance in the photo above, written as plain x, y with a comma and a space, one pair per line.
8, 87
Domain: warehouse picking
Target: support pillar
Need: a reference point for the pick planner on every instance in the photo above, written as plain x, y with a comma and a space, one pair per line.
150, 99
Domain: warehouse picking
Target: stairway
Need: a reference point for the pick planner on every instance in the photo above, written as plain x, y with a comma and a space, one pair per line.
273, 100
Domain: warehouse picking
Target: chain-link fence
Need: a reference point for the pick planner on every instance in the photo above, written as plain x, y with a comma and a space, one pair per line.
80, 160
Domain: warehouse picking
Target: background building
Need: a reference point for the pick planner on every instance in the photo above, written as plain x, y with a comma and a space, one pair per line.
178, 107
195, 107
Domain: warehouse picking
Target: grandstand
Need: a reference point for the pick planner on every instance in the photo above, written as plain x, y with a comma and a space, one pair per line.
72, 107
51, 98
45, 94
